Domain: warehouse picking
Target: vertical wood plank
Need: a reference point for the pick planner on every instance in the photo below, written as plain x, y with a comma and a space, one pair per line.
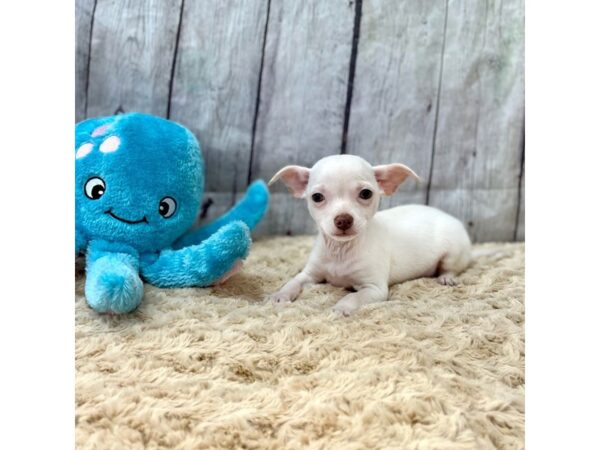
133, 44
392, 116
83, 23
215, 85
303, 98
477, 147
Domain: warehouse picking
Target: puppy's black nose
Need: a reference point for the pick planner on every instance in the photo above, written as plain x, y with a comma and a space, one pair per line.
343, 221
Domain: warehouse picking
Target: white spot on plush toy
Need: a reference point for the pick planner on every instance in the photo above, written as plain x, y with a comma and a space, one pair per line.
110, 144
100, 131
83, 150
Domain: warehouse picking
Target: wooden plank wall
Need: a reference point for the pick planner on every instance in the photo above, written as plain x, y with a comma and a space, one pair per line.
84, 12
395, 95
215, 85
435, 84
303, 98
477, 149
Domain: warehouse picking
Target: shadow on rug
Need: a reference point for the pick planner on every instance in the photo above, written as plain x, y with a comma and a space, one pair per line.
435, 367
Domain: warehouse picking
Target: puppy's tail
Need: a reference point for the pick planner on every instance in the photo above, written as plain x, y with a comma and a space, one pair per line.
489, 253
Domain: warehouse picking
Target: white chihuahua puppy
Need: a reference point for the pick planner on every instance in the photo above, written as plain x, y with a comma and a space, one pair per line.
360, 248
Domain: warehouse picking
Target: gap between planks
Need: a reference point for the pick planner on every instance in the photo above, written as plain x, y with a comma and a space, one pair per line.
351, 72
520, 189
172, 78
87, 74
257, 104
437, 106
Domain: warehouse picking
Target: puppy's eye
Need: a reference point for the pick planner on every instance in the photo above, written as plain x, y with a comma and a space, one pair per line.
94, 188
318, 197
365, 194
167, 207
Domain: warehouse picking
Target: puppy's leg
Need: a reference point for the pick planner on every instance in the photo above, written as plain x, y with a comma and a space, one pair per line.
364, 295
292, 289
452, 265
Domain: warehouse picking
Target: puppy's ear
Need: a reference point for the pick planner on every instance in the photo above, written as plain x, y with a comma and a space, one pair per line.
390, 176
295, 178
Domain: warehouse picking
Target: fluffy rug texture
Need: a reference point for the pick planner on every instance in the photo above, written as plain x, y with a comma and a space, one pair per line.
435, 367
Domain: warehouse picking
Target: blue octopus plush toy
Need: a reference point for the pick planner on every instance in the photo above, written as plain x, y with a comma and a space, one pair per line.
139, 185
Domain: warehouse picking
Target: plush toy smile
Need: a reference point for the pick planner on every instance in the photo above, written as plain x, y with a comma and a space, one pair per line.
136, 165
131, 222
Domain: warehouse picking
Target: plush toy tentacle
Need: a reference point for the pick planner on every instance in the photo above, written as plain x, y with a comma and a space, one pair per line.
202, 264
249, 210
113, 284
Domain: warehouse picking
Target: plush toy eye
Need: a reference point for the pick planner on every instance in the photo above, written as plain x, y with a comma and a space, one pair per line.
94, 188
365, 194
167, 207
318, 197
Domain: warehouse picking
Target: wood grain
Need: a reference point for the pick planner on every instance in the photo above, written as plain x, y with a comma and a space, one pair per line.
303, 95
216, 82
392, 115
83, 23
133, 44
478, 143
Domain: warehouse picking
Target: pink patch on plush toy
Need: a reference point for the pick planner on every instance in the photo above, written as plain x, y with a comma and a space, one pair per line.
110, 144
100, 131
83, 150
235, 269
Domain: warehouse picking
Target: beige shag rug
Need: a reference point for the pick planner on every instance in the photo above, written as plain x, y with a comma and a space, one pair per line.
435, 367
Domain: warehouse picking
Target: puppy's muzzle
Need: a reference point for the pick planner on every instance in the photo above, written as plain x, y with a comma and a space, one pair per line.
343, 222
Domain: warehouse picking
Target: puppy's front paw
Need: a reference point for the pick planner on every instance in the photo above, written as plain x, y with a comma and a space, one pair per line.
279, 297
345, 306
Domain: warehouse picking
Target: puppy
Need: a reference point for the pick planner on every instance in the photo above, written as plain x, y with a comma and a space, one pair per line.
360, 248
